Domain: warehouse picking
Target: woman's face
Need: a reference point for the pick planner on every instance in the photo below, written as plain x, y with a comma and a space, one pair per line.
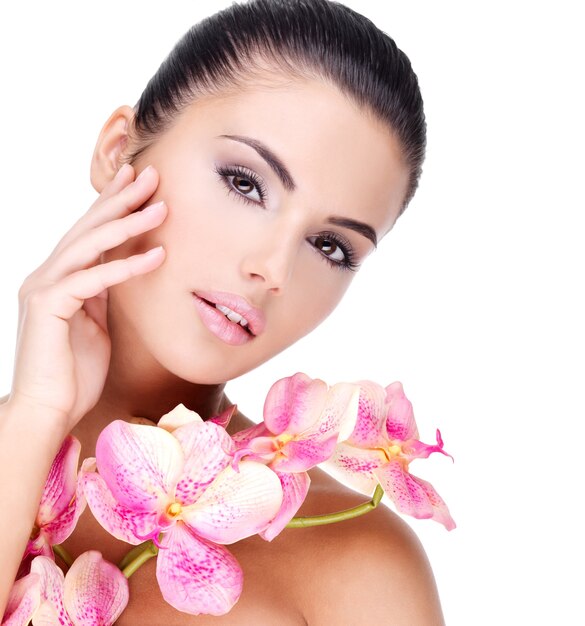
274, 196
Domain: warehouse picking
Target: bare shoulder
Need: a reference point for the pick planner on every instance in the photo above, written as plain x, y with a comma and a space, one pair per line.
372, 569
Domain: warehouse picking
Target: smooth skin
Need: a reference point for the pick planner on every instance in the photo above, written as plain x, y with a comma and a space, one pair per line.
107, 331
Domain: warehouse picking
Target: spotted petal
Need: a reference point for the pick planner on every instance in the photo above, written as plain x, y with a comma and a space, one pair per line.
60, 486
23, 601
120, 521
197, 576
237, 504
371, 417
294, 491
355, 467
52, 610
412, 495
243, 437
338, 415
400, 424
303, 454
140, 464
60, 528
95, 591
294, 404
207, 450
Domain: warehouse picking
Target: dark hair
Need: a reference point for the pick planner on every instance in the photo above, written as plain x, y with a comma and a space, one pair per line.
308, 38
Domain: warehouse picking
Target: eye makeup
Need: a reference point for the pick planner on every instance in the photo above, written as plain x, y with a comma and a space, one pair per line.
226, 171
328, 239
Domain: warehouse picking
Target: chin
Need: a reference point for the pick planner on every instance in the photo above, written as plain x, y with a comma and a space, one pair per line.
209, 365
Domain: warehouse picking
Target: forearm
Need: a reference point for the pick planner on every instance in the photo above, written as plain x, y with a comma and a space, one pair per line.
28, 445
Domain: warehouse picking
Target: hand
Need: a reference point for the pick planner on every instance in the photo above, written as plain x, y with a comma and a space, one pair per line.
63, 347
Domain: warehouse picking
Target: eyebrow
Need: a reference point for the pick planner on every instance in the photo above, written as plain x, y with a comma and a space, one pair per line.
266, 153
359, 227
289, 184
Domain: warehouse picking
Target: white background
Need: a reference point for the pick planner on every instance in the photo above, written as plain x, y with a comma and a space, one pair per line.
474, 301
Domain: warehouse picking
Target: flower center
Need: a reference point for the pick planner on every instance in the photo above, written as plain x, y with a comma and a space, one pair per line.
174, 510
282, 440
392, 452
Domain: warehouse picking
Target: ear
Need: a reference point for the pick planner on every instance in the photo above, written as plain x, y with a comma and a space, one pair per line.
106, 159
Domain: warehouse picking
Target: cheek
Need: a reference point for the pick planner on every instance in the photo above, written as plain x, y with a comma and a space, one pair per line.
206, 233
314, 293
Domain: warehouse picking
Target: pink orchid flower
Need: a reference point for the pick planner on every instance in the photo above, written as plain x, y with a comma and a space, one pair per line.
303, 419
94, 592
60, 507
181, 485
380, 449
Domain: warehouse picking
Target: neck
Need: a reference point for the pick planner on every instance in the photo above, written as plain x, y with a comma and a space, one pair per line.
138, 388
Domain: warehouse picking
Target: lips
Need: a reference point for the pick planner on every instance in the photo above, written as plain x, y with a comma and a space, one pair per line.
243, 324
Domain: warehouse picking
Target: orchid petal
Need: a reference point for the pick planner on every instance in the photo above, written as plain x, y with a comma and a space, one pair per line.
196, 576
179, 416
23, 601
243, 437
294, 404
140, 464
120, 521
338, 413
415, 449
225, 417
47, 615
237, 504
400, 424
371, 416
62, 526
59, 488
207, 450
301, 455
263, 446
51, 611
95, 591
294, 491
355, 467
412, 495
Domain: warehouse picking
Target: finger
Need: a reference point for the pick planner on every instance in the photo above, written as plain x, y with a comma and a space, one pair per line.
97, 308
66, 297
87, 249
123, 177
127, 199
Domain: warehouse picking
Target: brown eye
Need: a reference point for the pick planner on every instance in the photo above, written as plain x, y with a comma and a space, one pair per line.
326, 246
329, 248
243, 185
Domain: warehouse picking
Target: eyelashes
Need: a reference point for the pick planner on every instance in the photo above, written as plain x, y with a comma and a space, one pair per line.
244, 174
331, 242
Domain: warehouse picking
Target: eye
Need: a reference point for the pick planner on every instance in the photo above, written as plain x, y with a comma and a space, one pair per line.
243, 183
336, 250
329, 248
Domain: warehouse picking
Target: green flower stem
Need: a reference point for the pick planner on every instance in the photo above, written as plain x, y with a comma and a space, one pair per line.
132, 554
144, 555
331, 518
61, 552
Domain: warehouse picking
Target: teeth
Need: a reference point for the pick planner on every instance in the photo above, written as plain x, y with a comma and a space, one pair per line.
232, 315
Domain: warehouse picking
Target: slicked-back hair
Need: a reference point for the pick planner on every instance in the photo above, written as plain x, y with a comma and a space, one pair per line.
317, 39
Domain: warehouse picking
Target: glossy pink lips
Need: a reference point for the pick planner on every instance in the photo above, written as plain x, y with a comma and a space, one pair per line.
230, 332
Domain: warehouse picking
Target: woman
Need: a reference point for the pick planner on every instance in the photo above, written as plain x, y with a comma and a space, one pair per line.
273, 149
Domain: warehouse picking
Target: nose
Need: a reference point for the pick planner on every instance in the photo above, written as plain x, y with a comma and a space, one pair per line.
270, 263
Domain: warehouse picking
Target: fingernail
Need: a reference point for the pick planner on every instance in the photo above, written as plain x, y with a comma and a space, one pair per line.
153, 208
153, 251
146, 170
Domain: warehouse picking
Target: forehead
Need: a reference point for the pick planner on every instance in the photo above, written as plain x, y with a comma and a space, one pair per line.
342, 158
